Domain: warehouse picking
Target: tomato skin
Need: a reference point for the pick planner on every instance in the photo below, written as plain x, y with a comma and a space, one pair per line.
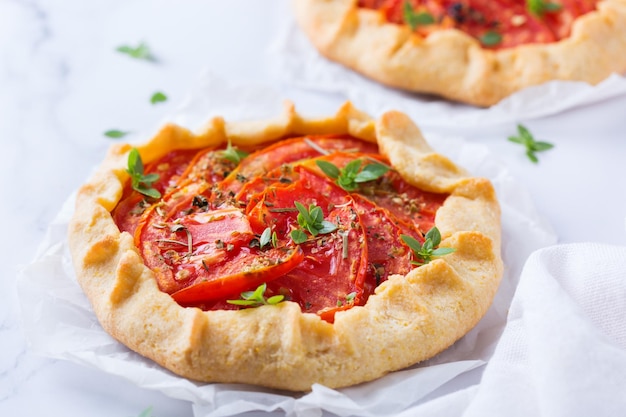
284, 152
232, 280
127, 213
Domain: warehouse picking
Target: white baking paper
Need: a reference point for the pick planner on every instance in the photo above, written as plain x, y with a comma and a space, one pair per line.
297, 63
59, 323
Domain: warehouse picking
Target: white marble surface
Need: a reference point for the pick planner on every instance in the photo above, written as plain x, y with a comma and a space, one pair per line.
62, 84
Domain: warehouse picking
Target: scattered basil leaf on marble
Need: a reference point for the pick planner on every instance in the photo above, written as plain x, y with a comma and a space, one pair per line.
158, 97
540, 7
490, 38
257, 298
526, 138
146, 413
140, 182
415, 19
141, 51
116, 134
425, 252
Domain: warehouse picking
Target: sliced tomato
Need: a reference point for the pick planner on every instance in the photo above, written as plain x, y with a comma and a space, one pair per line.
252, 191
275, 206
407, 203
386, 252
129, 210
246, 270
561, 22
285, 152
332, 274
180, 251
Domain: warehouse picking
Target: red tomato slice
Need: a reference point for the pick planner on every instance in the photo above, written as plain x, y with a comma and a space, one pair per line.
408, 204
247, 269
181, 251
128, 212
275, 206
332, 274
386, 252
285, 152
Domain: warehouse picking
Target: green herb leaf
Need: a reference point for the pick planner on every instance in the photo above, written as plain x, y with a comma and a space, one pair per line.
116, 134
532, 146
158, 97
140, 51
425, 252
312, 219
233, 154
328, 168
540, 7
146, 413
490, 38
371, 172
350, 176
415, 19
298, 236
265, 237
140, 182
257, 298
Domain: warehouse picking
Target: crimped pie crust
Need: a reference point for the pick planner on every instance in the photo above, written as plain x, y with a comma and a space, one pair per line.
452, 64
409, 319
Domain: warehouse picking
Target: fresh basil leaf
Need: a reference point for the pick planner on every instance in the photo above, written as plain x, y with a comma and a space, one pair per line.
328, 168
265, 237
116, 134
158, 97
490, 38
327, 227
298, 236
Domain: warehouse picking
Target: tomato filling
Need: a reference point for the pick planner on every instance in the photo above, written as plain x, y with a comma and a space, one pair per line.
316, 220
495, 23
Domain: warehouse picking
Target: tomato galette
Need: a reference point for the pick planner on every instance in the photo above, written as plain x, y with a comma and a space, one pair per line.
287, 253
473, 51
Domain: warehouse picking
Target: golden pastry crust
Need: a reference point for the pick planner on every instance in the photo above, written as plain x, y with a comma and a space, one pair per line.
452, 64
409, 319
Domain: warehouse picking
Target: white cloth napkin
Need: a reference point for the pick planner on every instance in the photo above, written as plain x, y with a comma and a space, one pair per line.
563, 350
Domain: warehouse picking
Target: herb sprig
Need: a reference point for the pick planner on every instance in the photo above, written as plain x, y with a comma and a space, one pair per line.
540, 7
146, 413
350, 176
312, 220
116, 133
141, 51
490, 38
140, 182
532, 146
424, 253
415, 19
233, 154
158, 97
257, 298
